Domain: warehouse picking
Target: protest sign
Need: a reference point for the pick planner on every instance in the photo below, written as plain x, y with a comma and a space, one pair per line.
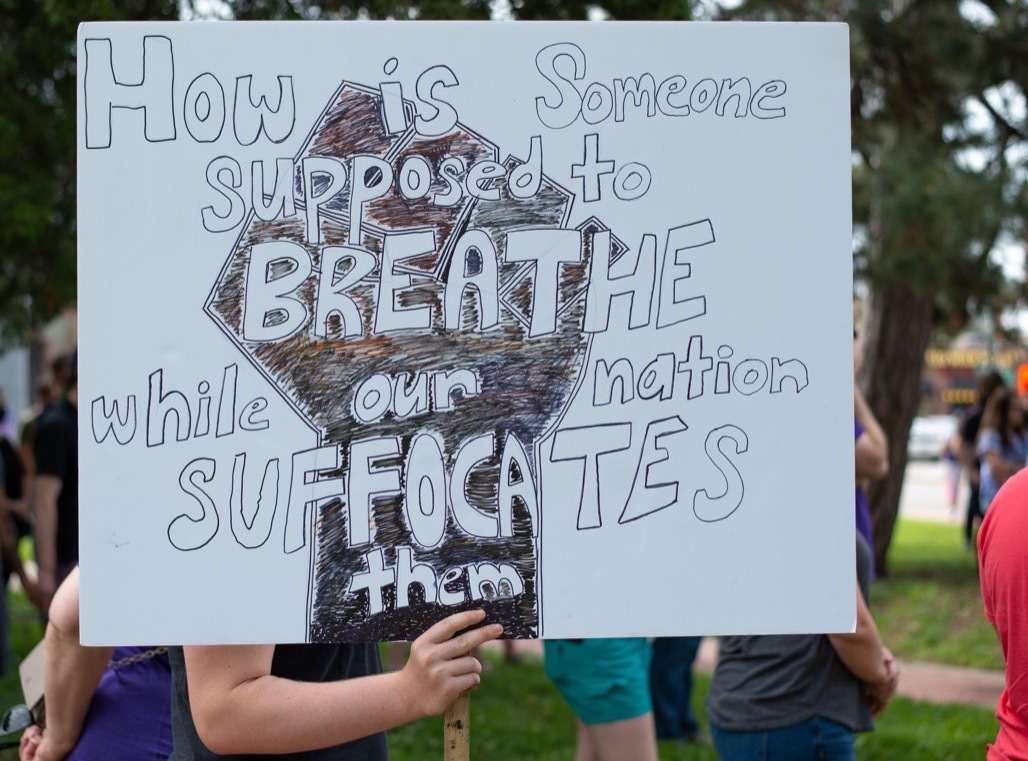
380, 321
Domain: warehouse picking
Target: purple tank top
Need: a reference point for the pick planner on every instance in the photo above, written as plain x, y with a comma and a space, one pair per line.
864, 524
130, 716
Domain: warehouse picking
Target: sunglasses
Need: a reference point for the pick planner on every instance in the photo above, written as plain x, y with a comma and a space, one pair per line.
15, 719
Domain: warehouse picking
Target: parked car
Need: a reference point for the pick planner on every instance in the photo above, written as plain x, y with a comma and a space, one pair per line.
928, 436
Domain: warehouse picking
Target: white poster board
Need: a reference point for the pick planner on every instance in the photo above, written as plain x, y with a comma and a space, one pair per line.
380, 321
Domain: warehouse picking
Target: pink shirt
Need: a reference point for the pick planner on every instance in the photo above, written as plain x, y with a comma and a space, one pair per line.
1003, 564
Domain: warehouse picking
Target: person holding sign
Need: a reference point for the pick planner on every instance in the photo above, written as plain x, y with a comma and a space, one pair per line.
316, 702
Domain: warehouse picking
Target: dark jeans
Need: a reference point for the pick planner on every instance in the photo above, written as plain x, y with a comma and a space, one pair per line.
671, 686
815, 739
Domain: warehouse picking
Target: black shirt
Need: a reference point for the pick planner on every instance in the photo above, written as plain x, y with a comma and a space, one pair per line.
305, 663
12, 472
56, 447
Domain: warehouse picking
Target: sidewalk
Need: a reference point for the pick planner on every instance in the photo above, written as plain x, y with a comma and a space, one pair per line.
932, 682
938, 683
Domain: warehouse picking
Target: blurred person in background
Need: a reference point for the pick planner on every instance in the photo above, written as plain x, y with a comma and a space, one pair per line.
671, 689
1002, 444
968, 432
8, 429
871, 450
953, 470
27, 423
605, 681
55, 498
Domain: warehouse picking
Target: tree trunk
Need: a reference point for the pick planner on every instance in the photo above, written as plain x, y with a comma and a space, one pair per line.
899, 326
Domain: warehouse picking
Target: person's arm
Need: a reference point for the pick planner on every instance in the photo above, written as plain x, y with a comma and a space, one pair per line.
863, 653
71, 674
238, 707
879, 694
44, 534
872, 448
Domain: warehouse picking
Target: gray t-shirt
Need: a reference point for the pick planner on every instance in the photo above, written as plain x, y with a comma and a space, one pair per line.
774, 681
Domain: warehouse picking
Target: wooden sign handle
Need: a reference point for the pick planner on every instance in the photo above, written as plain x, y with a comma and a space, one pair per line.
457, 729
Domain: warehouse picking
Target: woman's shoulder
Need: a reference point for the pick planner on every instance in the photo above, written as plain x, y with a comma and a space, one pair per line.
989, 439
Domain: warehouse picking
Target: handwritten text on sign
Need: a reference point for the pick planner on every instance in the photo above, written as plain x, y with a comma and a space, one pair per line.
430, 307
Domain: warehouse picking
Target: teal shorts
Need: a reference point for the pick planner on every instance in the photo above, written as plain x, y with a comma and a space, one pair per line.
603, 680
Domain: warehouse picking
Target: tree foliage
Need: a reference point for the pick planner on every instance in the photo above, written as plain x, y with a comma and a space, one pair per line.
940, 156
939, 182
248, 10
37, 151
937, 192
524, 10
37, 121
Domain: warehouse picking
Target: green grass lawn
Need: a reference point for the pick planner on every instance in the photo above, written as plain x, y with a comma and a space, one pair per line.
26, 630
928, 609
930, 606
517, 715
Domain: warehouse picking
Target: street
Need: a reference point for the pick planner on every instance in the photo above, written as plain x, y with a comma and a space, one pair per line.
924, 495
